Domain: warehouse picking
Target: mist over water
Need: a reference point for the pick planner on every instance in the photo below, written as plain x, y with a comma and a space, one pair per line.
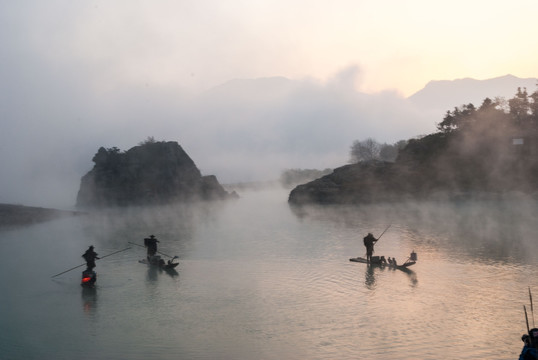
260, 280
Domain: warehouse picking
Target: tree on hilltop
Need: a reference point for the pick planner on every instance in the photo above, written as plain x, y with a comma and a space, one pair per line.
369, 149
520, 112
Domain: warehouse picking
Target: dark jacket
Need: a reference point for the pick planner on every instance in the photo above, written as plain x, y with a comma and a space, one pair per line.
369, 241
528, 353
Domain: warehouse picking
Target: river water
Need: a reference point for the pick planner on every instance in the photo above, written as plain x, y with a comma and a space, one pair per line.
260, 280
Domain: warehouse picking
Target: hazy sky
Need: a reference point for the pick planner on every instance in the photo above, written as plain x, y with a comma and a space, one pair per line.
76, 75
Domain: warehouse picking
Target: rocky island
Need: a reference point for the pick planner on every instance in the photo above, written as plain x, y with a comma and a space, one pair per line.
486, 151
154, 172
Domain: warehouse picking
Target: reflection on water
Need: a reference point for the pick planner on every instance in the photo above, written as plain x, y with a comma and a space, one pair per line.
413, 279
153, 273
89, 300
370, 278
372, 271
259, 281
485, 230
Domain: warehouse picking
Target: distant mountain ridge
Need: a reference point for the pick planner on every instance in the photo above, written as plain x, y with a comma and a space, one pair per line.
441, 95
448, 94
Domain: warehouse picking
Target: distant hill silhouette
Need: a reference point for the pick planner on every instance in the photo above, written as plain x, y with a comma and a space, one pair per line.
444, 95
438, 95
19, 215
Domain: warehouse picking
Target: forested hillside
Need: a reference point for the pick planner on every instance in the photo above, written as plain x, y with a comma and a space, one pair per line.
487, 149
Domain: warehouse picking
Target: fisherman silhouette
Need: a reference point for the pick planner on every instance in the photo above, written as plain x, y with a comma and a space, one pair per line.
529, 351
369, 241
151, 244
90, 257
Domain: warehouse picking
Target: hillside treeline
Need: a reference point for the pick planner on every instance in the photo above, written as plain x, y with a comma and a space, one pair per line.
490, 149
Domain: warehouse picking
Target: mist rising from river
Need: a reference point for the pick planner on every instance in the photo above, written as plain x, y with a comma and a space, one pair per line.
259, 279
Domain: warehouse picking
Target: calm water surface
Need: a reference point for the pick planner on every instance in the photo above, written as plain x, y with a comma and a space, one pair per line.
258, 280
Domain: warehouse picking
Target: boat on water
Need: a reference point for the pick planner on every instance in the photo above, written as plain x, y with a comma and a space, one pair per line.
88, 278
158, 262
381, 261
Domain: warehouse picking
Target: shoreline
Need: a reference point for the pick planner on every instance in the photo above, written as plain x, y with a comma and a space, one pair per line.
21, 215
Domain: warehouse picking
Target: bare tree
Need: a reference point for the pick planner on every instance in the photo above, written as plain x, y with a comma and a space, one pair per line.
390, 152
364, 150
370, 149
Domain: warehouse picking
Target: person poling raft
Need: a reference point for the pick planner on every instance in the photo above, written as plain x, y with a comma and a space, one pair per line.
151, 244
152, 258
369, 241
89, 276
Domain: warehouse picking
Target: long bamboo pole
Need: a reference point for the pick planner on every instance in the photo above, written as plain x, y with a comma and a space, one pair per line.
102, 257
170, 256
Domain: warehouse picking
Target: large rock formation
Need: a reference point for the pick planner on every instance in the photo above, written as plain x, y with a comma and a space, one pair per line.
356, 183
151, 173
438, 166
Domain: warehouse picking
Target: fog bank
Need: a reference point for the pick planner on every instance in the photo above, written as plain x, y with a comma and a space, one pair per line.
244, 130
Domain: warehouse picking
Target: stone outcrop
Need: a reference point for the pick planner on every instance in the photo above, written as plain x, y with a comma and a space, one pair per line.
438, 166
356, 183
151, 173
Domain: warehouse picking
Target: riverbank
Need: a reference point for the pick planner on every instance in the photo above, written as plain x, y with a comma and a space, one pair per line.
20, 215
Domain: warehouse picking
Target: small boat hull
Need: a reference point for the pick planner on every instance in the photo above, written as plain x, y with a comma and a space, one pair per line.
376, 262
89, 277
157, 262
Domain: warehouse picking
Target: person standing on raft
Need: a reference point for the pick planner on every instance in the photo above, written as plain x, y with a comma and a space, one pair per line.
90, 257
151, 244
369, 242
